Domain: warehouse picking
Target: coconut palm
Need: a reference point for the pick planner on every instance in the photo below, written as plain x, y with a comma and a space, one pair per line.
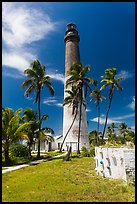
124, 130
113, 127
110, 133
12, 129
96, 95
78, 77
72, 99
37, 79
94, 137
111, 80
33, 131
30, 114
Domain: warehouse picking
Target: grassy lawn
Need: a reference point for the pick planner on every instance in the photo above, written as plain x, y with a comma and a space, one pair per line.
3, 168
60, 181
23, 160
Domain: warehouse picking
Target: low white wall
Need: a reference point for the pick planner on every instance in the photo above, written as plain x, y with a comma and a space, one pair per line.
115, 162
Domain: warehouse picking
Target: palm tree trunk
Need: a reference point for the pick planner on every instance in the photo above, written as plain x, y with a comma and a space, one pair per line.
29, 150
68, 130
124, 138
98, 122
107, 116
80, 108
6, 154
38, 154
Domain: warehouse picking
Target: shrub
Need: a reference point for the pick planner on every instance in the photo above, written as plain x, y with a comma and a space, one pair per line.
85, 152
18, 150
92, 151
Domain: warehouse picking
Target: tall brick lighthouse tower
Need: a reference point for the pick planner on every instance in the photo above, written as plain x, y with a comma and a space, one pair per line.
73, 56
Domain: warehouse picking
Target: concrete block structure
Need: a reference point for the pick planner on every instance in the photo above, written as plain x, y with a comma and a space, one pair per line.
72, 55
115, 163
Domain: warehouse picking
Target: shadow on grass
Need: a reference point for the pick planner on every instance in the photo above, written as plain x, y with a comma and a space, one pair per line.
22, 160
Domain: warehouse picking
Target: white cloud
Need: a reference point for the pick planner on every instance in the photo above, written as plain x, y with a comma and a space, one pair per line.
22, 25
29, 98
59, 104
132, 104
49, 101
125, 74
12, 75
88, 110
53, 101
133, 128
102, 120
118, 119
20, 60
57, 76
124, 116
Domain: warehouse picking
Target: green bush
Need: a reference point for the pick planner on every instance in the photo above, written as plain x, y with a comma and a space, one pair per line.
92, 151
18, 150
85, 152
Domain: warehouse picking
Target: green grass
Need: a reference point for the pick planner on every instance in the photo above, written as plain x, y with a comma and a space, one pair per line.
3, 168
60, 181
24, 160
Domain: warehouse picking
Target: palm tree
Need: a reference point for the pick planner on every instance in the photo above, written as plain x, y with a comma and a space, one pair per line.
94, 136
78, 78
113, 127
37, 79
44, 134
96, 95
12, 129
33, 130
72, 99
110, 80
111, 132
124, 130
30, 114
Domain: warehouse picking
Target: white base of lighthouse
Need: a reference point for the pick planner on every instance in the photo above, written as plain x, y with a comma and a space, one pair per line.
72, 137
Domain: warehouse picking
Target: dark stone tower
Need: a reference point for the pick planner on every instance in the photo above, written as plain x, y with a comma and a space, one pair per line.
72, 55
72, 47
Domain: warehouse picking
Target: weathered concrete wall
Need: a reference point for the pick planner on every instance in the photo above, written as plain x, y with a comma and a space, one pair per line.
115, 162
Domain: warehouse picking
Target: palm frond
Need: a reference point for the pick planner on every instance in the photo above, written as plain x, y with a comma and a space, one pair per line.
23, 127
30, 73
49, 86
29, 90
26, 83
118, 86
104, 86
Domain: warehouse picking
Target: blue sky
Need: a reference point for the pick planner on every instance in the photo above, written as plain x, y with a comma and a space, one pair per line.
33, 30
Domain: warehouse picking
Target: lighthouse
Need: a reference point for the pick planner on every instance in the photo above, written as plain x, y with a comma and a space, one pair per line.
72, 55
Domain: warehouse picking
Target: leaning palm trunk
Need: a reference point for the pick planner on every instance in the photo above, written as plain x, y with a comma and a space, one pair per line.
68, 130
80, 108
38, 154
107, 117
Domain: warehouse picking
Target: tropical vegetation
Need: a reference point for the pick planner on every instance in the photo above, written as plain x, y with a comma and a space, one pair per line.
110, 79
72, 100
12, 129
78, 78
37, 79
96, 96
